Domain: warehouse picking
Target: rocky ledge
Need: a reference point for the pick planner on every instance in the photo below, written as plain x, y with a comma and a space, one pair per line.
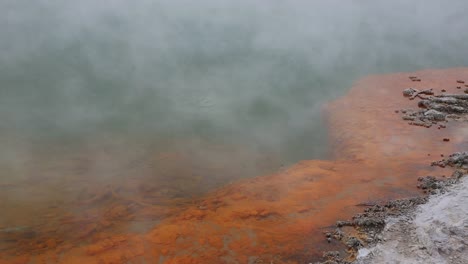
424, 229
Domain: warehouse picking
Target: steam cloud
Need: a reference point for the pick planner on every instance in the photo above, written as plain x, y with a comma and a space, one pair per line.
253, 73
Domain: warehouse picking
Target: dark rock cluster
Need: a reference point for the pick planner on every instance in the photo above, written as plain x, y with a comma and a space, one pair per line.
333, 257
457, 160
435, 108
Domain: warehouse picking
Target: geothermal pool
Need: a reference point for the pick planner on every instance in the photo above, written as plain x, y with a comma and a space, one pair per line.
177, 132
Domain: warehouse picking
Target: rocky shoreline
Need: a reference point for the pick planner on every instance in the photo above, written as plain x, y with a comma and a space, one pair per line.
370, 235
368, 229
436, 232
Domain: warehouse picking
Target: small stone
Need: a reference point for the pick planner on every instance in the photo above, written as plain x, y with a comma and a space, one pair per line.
458, 87
443, 90
353, 242
446, 139
408, 118
409, 92
460, 81
338, 234
343, 223
423, 104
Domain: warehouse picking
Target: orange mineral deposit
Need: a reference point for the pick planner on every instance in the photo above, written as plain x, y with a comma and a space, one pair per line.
277, 218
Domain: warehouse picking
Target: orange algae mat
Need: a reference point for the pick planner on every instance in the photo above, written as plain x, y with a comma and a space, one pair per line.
276, 218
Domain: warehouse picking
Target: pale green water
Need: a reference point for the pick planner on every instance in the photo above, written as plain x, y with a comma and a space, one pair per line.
153, 103
215, 72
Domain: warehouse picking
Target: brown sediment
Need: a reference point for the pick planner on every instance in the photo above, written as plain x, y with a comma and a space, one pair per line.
277, 218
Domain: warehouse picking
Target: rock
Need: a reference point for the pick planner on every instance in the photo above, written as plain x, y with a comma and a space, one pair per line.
428, 183
338, 234
434, 115
408, 118
354, 243
457, 160
343, 223
424, 104
409, 92
437, 108
333, 257
421, 123
370, 222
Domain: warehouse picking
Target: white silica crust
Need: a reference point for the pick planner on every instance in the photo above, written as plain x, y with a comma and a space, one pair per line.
437, 232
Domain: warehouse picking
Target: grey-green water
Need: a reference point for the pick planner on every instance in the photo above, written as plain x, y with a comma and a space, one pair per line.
144, 104
165, 74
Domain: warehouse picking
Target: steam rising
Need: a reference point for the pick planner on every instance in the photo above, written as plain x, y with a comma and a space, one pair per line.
239, 73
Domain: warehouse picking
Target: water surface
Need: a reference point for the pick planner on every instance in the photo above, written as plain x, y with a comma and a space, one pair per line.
157, 103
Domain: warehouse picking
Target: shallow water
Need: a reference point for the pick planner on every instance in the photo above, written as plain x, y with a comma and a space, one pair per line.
156, 104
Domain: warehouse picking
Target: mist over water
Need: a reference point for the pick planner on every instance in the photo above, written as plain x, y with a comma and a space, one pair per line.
233, 71
232, 86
